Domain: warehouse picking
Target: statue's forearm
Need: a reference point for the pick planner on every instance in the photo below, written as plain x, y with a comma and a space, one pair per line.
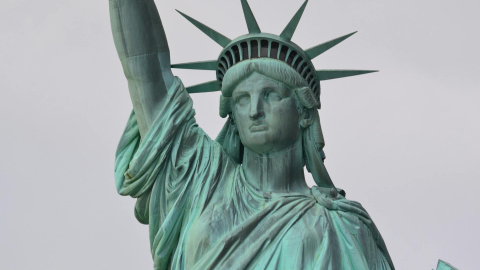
143, 50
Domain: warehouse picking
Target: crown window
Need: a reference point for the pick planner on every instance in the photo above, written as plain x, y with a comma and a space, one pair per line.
274, 50
305, 73
236, 53
229, 56
291, 56
254, 45
264, 48
296, 62
283, 53
244, 47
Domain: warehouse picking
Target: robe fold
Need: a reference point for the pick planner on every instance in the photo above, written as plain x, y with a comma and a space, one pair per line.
203, 214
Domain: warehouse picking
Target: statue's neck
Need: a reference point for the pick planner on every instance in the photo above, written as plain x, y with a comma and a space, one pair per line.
276, 172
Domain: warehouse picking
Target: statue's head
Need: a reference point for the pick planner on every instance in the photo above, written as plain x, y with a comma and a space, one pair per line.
269, 103
271, 107
270, 91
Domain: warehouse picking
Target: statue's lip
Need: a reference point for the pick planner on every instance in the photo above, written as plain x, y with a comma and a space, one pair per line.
257, 122
260, 127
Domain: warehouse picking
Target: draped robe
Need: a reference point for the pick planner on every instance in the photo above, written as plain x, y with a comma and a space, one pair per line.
203, 214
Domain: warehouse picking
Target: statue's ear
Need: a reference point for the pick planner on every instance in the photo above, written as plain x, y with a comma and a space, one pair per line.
306, 118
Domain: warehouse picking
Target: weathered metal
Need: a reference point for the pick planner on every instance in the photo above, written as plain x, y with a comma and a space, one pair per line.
240, 201
263, 45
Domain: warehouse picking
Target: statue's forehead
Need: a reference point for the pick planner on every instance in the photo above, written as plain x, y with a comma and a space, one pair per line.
257, 81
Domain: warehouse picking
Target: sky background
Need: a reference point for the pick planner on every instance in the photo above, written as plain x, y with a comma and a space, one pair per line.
404, 142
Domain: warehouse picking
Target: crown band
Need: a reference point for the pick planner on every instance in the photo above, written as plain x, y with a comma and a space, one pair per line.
267, 46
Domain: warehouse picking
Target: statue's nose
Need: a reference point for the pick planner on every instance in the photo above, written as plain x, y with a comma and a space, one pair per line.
256, 108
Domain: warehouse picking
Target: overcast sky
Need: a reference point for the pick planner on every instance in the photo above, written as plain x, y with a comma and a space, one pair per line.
404, 142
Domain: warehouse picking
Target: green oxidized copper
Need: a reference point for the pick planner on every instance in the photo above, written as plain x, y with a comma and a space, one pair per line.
445, 266
259, 45
240, 201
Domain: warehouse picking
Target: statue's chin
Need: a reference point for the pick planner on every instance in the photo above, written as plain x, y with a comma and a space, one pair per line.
260, 148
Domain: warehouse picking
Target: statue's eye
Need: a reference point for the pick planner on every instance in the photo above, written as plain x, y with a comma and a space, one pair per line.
273, 96
243, 99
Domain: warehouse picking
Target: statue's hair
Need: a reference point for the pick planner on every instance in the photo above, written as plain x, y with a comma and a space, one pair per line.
271, 68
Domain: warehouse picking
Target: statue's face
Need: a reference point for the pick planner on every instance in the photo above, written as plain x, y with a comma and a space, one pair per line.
266, 114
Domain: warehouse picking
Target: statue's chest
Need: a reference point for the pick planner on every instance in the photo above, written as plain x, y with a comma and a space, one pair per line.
221, 216
219, 220
216, 220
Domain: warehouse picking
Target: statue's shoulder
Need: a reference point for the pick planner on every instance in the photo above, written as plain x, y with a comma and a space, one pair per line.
334, 199
354, 218
339, 207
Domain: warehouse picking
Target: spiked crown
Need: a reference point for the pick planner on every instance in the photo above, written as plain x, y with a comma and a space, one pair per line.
262, 45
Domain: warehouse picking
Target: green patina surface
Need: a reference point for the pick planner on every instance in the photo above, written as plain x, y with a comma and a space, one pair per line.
445, 266
240, 201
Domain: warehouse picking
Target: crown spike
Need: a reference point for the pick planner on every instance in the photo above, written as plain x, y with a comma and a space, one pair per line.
319, 49
292, 25
329, 74
202, 65
210, 86
217, 37
252, 24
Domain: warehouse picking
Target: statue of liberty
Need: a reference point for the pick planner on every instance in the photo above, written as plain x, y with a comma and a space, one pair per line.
239, 201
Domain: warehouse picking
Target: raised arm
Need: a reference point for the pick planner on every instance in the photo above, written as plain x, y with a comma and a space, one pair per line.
143, 50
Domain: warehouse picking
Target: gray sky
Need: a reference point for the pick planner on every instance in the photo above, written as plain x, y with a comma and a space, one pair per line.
404, 142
